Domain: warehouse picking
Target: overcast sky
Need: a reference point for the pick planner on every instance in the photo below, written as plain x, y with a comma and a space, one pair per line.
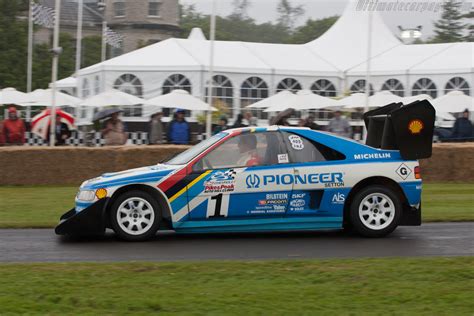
265, 10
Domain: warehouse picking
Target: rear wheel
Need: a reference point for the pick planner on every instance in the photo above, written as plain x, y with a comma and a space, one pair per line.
375, 211
135, 216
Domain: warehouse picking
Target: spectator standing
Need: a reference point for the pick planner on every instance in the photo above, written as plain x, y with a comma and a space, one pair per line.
14, 128
179, 131
462, 129
251, 120
222, 126
339, 125
62, 132
2, 136
312, 124
238, 122
115, 131
156, 129
301, 122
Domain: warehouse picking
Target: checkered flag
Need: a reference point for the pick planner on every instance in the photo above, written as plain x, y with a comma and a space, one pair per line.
43, 15
113, 38
230, 174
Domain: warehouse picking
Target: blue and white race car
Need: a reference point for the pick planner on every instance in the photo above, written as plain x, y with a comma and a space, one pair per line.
269, 179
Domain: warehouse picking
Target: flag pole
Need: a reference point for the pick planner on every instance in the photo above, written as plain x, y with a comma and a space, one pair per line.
54, 72
367, 74
79, 36
212, 37
29, 71
104, 43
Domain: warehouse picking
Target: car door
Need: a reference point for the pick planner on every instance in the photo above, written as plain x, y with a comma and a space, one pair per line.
237, 185
318, 188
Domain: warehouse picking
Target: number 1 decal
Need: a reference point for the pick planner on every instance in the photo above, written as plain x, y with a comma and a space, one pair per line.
218, 206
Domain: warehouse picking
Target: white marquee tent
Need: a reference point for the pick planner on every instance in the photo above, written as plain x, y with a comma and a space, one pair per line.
331, 65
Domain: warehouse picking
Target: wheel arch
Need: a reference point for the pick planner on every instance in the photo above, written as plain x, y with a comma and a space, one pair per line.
157, 194
376, 180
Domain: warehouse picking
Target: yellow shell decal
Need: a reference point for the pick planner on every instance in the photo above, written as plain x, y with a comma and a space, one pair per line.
415, 126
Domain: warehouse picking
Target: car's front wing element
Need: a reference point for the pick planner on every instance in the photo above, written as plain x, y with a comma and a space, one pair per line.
89, 221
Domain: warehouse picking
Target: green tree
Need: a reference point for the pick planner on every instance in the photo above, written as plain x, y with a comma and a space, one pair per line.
288, 14
13, 45
240, 11
91, 50
469, 26
449, 28
312, 29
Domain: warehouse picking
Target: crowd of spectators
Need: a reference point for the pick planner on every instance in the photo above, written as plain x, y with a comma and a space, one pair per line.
178, 130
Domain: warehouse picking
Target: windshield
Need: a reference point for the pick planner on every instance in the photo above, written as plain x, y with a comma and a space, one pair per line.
186, 156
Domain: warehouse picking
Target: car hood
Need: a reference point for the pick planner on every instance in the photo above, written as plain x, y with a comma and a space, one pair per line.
137, 175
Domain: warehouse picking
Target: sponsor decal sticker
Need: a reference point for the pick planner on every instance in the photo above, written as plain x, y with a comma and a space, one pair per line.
221, 181
415, 126
283, 158
403, 171
252, 181
296, 142
372, 156
338, 198
297, 203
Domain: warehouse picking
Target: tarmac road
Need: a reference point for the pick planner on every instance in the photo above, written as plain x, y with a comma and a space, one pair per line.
42, 245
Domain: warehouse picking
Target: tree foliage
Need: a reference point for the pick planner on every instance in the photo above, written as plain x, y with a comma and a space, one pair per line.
288, 14
14, 50
239, 27
450, 27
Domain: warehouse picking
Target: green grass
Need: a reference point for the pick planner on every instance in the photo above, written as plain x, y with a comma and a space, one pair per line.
41, 206
422, 286
448, 202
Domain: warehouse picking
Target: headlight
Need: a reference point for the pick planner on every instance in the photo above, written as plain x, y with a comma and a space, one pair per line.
86, 195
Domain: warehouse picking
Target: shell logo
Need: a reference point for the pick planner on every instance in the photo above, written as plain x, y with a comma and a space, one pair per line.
415, 126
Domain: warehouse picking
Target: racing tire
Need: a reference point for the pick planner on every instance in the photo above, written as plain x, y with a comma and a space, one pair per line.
375, 211
135, 216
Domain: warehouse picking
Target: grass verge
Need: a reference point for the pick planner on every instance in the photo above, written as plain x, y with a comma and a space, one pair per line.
41, 206
421, 286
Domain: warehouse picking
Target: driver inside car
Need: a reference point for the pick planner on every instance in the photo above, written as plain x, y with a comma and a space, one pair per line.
248, 151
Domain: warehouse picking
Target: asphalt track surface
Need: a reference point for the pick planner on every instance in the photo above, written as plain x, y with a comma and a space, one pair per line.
42, 245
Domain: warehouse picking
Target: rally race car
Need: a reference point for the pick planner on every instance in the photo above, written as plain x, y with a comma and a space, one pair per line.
269, 179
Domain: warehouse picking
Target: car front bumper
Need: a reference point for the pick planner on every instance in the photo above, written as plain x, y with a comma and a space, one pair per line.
89, 221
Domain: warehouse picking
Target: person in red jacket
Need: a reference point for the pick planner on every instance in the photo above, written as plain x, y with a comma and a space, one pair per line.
14, 128
2, 137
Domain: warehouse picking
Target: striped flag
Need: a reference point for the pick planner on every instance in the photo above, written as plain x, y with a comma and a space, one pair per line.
113, 38
42, 15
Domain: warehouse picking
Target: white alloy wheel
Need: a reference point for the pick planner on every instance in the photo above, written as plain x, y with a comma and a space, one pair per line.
376, 211
135, 216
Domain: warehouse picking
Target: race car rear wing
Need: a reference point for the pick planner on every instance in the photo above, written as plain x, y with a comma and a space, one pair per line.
407, 128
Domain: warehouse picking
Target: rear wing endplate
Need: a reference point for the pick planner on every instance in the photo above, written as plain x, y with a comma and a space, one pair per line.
407, 128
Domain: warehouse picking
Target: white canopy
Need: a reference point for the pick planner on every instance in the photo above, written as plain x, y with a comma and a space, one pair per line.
304, 100
42, 97
112, 97
358, 100
418, 97
453, 102
12, 96
355, 100
284, 97
69, 82
179, 99
383, 98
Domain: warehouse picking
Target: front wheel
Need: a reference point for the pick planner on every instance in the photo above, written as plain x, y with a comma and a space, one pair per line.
135, 216
375, 211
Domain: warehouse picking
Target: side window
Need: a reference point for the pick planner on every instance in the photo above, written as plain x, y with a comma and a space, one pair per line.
302, 149
246, 150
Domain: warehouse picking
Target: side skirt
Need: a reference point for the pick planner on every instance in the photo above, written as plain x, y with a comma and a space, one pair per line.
256, 225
